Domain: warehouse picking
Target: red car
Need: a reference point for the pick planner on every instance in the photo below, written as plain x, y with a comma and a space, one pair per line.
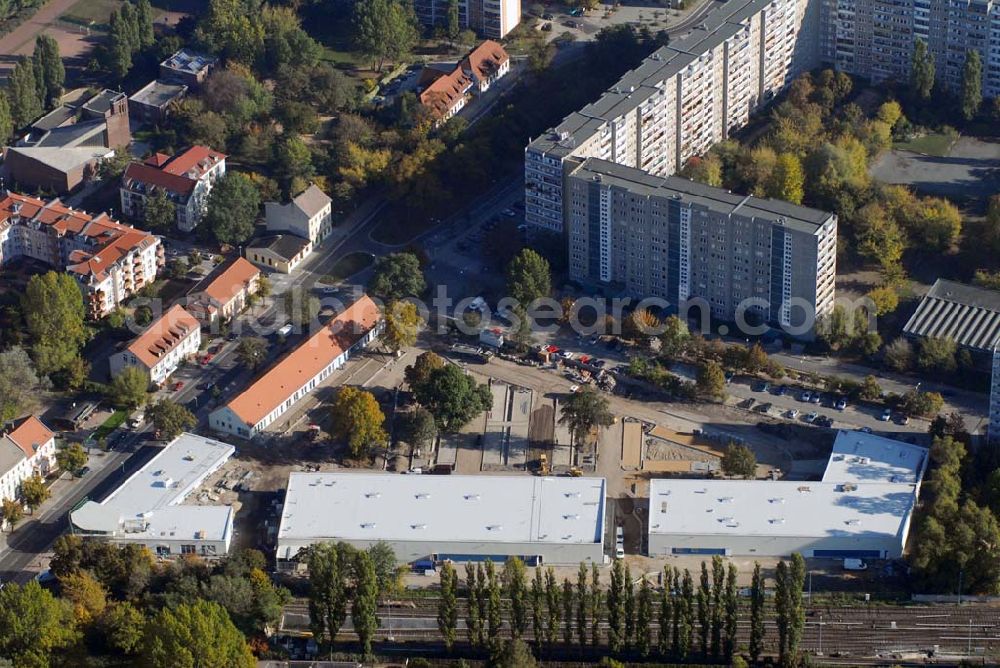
207, 358
178, 385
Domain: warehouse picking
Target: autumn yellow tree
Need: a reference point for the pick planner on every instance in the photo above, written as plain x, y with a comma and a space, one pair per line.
402, 324
787, 179
358, 420
86, 594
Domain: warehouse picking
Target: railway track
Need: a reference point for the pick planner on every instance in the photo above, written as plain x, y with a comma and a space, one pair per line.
835, 635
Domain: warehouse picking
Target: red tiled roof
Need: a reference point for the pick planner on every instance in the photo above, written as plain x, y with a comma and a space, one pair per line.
305, 362
157, 159
153, 176
231, 281
165, 334
485, 59
29, 434
445, 92
110, 240
194, 162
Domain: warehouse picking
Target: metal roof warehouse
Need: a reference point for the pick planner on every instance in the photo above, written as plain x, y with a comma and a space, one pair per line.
456, 517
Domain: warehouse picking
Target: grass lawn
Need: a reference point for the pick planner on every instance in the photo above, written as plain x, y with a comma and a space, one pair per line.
116, 420
349, 265
93, 13
937, 144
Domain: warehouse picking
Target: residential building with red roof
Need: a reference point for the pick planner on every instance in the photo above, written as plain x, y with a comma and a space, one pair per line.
187, 179
160, 348
110, 261
300, 372
446, 92
225, 292
27, 448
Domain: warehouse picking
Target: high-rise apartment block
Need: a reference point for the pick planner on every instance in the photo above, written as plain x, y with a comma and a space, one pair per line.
680, 100
679, 241
875, 38
492, 19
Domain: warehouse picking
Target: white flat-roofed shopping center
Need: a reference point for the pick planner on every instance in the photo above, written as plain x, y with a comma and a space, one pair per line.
861, 508
146, 508
456, 517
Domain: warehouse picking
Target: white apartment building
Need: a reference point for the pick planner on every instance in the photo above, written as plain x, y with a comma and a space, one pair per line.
300, 372
159, 350
308, 216
489, 18
27, 448
186, 178
689, 244
682, 99
110, 261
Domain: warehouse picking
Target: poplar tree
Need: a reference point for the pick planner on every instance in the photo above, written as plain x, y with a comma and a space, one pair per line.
687, 616
596, 598
704, 610
364, 606
629, 605
644, 618
582, 605
616, 609
972, 84
494, 611
922, 70
22, 87
473, 615
781, 611
448, 605
537, 614
796, 611
483, 594
666, 618
568, 609
718, 585
756, 646
517, 589
731, 601
553, 607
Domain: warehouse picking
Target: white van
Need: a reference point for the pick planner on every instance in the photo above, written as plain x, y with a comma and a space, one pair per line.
620, 543
855, 565
286, 330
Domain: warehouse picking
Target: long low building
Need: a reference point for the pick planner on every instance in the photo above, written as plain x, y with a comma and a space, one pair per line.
542, 520
300, 372
146, 509
862, 508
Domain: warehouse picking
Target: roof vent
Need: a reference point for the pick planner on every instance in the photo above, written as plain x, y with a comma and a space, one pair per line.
423, 495
853, 523
373, 495
494, 527
776, 499
777, 520
471, 497
571, 517
848, 487
368, 525
726, 499
418, 526
804, 488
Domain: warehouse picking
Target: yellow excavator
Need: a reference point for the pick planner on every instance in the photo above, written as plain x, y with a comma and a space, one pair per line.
543, 464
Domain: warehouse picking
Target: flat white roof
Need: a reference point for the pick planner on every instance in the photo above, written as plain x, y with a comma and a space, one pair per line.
779, 508
146, 504
865, 458
869, 488
443, 508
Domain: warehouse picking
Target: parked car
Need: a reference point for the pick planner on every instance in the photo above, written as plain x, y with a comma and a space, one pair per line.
792, 413
886, 415
841, 404
729, 377
805, 396
865, 430
855, 565
178, 385
782, 390
903, 419
811, 417
760, 386
510, 213
817, 398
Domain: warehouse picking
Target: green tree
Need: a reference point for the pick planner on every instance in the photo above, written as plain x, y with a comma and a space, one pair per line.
12, 512
364, 604
170, 418
922, 70
419, 428
870, 389
384, 30
118, 57
402, 325
329, 567
537, 598
130, 388
34, 492
582, 605
494, 609
704, 610
122, 625
50, 67
292, 163
20, 385
514, 580
528, 277
937, 223
159, 213
707, 170
899, 355
675, 336
452, 397
739, 461
972, 85
357, 420
595, 605
757, 628
569, 608
144, 21
711, 381
193, 635
301, 306
420, 371
231, 210
515, 654
473, 613
787, 180
23, 93
232, 29
6, 116
71, 458
583, 412
34, 625
54, 314
686, 626
554, 607
644, 619
731, 614
251, 351
937, 354
718, 616
664, 618
396, 277
616, 608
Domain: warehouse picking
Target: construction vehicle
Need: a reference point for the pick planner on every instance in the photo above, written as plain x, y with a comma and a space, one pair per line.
543, 464
575, 472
